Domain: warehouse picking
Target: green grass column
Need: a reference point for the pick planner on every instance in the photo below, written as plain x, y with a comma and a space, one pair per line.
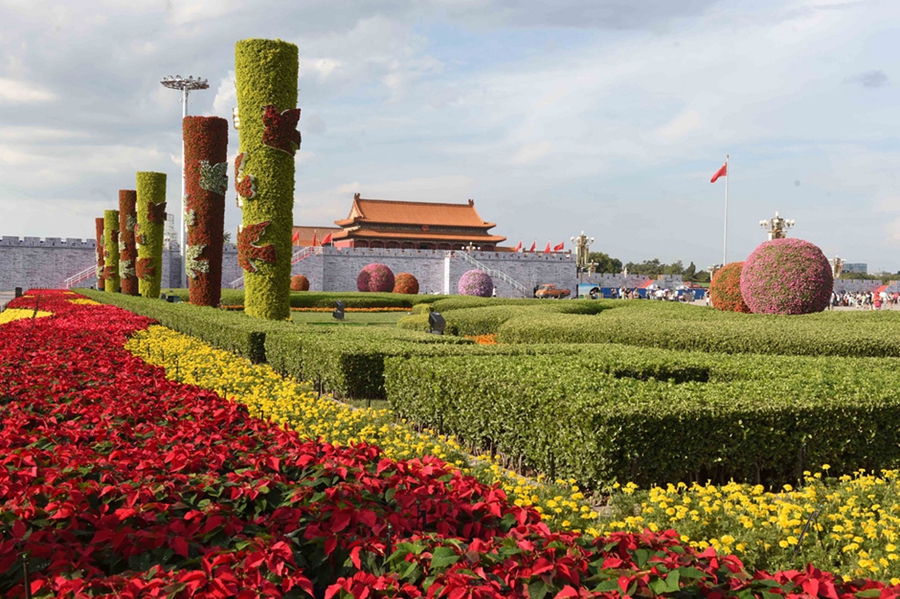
151, 218
101, 262
266, 79
128, 281
206, 181
111, 250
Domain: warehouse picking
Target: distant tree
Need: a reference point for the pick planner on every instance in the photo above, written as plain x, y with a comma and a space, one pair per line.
689, 272
604, 263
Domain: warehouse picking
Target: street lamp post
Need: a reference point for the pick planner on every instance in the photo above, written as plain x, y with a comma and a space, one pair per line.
582, 245
186, 85
472, 247
837, 266
776, 227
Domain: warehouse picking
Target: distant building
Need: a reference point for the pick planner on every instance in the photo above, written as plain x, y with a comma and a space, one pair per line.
861, 267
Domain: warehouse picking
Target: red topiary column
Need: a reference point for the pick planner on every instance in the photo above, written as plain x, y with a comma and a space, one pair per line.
206, 180
128, 281
101, 261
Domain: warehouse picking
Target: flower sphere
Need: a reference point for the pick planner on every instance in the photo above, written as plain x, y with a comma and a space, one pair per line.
725, 289
475, 282
299, 283
406, 283
375, 277
786, 276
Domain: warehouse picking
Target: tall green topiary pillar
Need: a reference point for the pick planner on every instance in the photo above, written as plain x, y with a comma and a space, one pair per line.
111, 250
206, 180
266, 77
101, 262
151, 218
127, 252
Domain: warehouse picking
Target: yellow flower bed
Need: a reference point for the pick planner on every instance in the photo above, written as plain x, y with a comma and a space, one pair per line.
84, 302
849, 525
269, 395
11, 314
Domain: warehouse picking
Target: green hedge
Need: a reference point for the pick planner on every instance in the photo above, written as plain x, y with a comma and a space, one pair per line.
326, 299
613, 413
485, 320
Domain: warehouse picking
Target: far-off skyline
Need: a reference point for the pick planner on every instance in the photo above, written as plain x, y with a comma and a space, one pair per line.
600, 116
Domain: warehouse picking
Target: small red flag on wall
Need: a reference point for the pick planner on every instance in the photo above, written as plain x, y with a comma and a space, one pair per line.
559, 248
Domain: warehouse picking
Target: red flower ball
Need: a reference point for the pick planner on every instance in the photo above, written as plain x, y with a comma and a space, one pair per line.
375, 277
725, 289
786, 276
406, 283
299, 283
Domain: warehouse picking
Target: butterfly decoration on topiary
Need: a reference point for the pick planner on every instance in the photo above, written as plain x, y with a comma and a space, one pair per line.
156, 213
281, 129
126, 269
145, 269
214, 177
196, 264
244, 184
248, 250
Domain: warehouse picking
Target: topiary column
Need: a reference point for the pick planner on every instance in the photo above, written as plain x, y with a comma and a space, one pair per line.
111, 250
101, 262
205, 172
127, 251
266, 77
151, 218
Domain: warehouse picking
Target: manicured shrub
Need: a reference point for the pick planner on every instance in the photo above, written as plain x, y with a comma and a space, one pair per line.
205, 168
148, 237
786, 276
406, 283
725, 289
127, 251
475, 282
266, 79
299, 283
111, 250
375, 277
101, 262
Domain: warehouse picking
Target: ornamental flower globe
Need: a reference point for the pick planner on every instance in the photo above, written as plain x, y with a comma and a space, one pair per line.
725, 289
299, 283
475, 282
786, 276
406, 283
375, 277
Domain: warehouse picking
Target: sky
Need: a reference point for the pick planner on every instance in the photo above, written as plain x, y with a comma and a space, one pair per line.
602, 116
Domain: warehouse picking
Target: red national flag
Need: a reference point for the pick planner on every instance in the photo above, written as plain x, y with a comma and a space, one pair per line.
722, 172
295, 238
559, 248
533, 247
547, 249
518, 247
314, 238
328, 239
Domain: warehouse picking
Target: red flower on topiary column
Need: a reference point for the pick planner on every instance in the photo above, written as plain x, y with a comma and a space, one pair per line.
248, 250
156, 213
144, 269
245, 185
281, 129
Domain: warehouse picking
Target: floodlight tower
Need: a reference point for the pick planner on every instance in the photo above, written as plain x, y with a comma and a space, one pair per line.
186, 85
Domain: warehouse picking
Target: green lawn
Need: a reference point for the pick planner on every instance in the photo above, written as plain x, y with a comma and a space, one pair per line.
381, 319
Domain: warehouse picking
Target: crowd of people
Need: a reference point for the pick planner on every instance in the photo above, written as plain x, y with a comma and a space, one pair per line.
865, 300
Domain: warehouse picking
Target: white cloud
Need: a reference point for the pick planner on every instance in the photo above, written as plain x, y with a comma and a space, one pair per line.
23, 92
531, 152
686, 123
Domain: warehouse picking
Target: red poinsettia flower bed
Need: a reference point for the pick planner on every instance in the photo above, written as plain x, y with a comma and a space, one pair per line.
117, 482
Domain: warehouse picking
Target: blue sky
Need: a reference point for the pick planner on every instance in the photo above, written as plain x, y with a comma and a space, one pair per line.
607, 116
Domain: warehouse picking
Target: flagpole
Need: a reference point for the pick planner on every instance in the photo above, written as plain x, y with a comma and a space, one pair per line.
725, 242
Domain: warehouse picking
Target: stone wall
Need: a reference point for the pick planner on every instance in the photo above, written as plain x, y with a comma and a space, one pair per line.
29, 262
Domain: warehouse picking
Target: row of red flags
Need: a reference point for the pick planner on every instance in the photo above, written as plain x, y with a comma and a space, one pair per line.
556, 248
295, 240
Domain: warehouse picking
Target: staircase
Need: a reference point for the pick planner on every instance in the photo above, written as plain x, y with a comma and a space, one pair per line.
80, 276
297, 257
494, 274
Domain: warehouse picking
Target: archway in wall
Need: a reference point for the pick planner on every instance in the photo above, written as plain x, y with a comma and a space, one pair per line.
445, 246
376, 244
392, 245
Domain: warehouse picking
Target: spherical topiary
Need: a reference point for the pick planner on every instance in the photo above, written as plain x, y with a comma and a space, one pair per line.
786, 276
375, 277
475, 282
299, 283
725, 289
406, 283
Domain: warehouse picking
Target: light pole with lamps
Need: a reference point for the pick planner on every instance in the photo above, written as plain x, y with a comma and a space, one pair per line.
186, 85
582, 245
776, 227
